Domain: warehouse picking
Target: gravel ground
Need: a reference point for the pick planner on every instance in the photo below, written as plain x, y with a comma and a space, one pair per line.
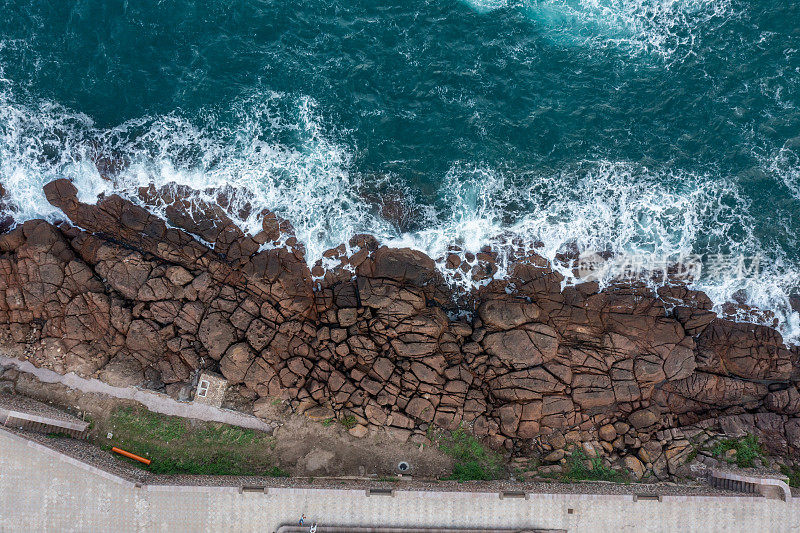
99, 458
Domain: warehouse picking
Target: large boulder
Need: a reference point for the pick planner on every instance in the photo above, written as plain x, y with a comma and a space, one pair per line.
527, 346
216, 333
507, 313
401, 264
746, 351
236, 362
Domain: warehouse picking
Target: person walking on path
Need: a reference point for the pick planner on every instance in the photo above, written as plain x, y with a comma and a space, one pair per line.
302, 520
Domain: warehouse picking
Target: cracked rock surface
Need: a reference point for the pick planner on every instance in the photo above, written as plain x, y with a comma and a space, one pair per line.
118, 293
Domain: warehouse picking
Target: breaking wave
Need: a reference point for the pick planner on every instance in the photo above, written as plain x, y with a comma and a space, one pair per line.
279, 151
665, 28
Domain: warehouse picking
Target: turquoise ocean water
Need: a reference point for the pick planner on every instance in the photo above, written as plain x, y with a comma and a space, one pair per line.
660, 127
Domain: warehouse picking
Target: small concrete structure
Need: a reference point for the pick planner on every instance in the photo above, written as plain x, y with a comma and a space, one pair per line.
21, 412
769, 487
211, 389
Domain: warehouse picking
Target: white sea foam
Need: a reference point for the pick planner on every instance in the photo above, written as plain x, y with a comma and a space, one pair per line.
485, 6
785, 165
666, 28
308, 182
621, 208
280, 153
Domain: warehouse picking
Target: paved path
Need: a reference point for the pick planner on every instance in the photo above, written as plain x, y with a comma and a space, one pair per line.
41, 489
158, 403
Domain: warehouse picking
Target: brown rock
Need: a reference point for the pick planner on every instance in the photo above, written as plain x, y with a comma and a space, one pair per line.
347, 317
643, 418
420, 408
786, 401
216, 333
743, 350
701, 390
358, 431
607, 433
127, 276
426, 374
143, 337
178, 276
554, 456
319, 413
129, 294
155, 289
592, 391
508, 313
634, 466
236, 362
401, 264
525, 347
259, 334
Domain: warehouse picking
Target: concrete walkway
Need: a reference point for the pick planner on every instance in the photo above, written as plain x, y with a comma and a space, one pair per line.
156, 402
43, 490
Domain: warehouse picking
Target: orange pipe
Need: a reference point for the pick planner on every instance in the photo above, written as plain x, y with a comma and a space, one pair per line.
132, 456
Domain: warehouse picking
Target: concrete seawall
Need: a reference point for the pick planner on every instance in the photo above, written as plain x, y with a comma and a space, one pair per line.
42, 489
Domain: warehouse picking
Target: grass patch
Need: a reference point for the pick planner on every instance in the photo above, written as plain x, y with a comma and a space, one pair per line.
230, 435
473, 461
793, 474
349, 421
177, 447
579, 467
276, 471
148, 426
221, 465
747, 449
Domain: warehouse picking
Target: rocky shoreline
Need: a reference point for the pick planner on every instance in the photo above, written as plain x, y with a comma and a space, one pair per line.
636, 376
